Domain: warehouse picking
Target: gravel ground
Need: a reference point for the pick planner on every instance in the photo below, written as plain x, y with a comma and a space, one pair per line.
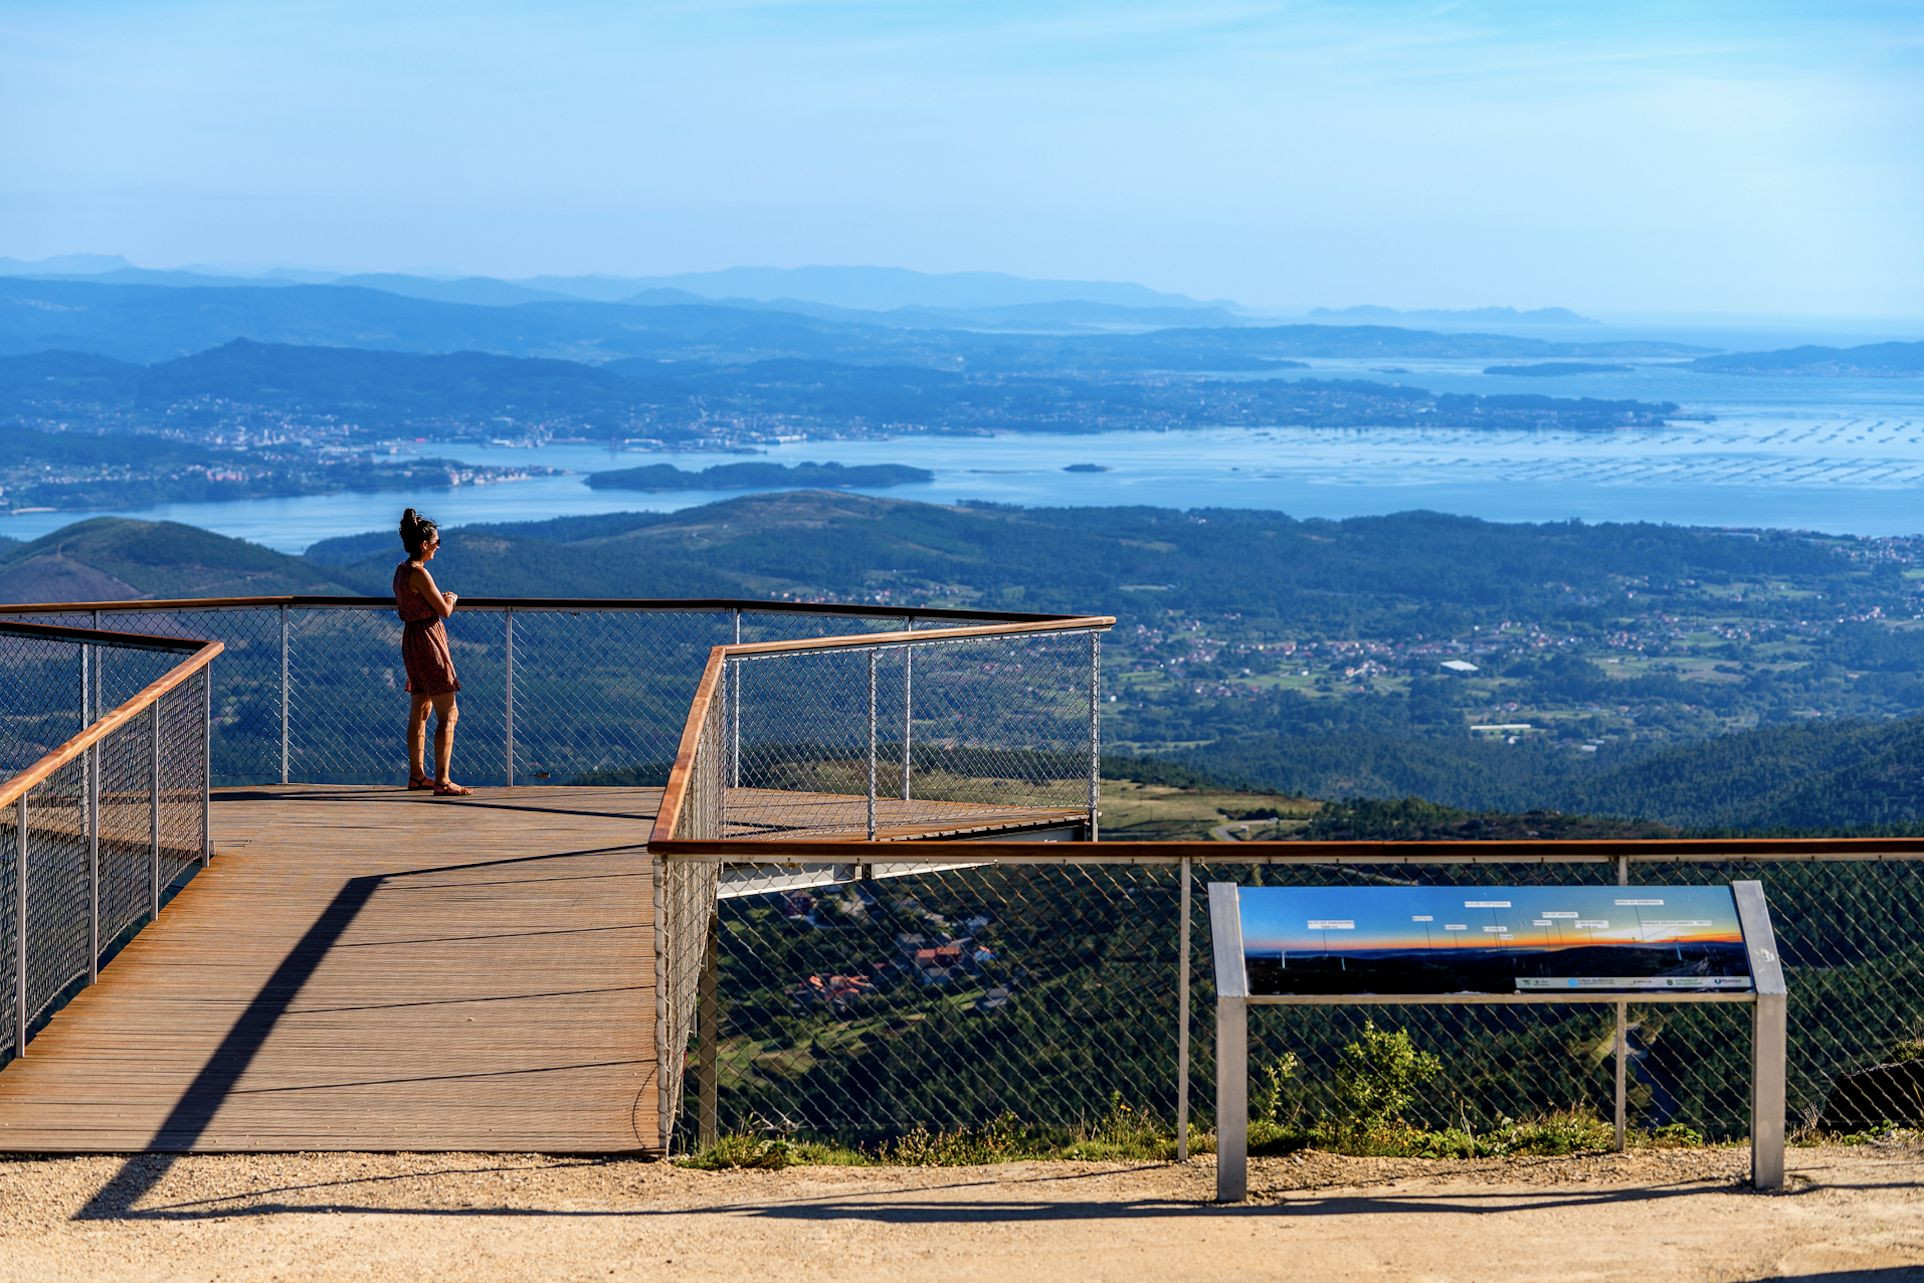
1848, 1213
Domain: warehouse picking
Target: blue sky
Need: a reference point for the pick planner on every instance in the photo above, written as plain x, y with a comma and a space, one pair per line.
1622, 159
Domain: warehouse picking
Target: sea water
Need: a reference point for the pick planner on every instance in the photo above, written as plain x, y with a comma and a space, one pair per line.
1834, 455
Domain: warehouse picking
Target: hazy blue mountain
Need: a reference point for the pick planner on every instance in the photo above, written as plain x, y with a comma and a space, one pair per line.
383, 388
482, 290
63, 265
1873, 360
148, 323
884, 288
1370, 313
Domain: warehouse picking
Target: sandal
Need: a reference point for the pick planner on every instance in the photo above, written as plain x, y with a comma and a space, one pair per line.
417, 783
451, 789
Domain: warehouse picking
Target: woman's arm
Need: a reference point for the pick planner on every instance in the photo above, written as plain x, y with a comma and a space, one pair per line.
439, 602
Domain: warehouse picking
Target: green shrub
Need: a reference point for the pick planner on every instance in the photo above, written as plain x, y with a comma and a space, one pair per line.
743, 1149
998, 1142
1377, 1079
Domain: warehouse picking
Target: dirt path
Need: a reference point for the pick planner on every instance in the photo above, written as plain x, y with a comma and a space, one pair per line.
1848, 1214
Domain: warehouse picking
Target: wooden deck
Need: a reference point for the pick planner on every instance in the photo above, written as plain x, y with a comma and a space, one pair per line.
372, 969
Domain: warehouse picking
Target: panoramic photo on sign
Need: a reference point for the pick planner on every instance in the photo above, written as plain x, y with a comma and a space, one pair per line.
1434, 940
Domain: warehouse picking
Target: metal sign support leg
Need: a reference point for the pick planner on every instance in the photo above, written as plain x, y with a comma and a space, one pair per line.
1232, 1100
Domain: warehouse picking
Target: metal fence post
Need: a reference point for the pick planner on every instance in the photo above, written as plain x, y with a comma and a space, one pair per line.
735, 712
708, 1013
1622, 1100
873, 657
507, 629
1095, 732
20, 928
90, 774
100, 659
908, 704
1182, 1024
153, 815
206, 765
93, 864
283, 694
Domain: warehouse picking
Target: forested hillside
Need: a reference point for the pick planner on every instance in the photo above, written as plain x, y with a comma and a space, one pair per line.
1701, 678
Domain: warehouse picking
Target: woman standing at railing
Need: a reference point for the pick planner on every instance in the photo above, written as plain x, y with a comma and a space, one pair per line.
424, 650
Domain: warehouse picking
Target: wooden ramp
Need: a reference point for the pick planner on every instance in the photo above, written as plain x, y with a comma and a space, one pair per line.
372, 969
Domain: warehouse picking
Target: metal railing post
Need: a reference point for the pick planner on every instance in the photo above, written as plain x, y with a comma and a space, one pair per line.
90, 775
873, 657
153, 816
100, 658
283, 694
206, 765
20, 928
93, 864
1095, 732
1622, 1098
507, 629
708, 1021
908, 704
1182, 1024
735, 713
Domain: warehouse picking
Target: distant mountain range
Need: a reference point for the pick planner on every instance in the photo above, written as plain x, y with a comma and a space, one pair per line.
149, 323
892, 296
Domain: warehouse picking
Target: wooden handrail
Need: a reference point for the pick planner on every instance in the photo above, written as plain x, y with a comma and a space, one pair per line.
1068, 624
1412, 851
12, 790
543, 603
675, 794
668, 814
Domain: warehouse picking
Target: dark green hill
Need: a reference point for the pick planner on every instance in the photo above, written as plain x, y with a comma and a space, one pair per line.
114, 559
1821, 777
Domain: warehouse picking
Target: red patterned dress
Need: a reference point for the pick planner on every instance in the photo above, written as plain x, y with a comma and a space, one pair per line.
424, 640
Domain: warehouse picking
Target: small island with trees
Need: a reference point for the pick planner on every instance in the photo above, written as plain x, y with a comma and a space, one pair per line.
762, 476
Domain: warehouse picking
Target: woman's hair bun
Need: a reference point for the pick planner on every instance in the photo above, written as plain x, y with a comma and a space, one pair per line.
415, 530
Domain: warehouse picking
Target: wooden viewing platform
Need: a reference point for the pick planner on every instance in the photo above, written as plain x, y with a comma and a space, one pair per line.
373, 969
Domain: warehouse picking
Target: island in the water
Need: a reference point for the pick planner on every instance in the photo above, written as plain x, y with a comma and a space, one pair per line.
1873, 361
1086, 467
762, 476
1554, 369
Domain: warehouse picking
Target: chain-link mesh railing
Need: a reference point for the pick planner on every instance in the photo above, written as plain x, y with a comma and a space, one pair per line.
110, 818
951, 995
551, 693
912, 739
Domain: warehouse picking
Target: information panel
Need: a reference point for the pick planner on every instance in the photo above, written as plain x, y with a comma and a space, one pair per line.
1491, 940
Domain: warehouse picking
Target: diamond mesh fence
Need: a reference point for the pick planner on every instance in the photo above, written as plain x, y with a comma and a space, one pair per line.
950, 996
911, 739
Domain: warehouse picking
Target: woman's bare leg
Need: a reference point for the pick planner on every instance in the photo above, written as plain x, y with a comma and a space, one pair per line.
418, 706
446, 714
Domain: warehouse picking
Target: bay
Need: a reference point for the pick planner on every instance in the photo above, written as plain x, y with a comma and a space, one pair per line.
1834, 455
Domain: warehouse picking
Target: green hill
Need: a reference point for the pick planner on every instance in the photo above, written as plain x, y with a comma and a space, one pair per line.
113, 559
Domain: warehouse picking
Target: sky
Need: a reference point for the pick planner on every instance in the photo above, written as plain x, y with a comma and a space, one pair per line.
1629, 159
